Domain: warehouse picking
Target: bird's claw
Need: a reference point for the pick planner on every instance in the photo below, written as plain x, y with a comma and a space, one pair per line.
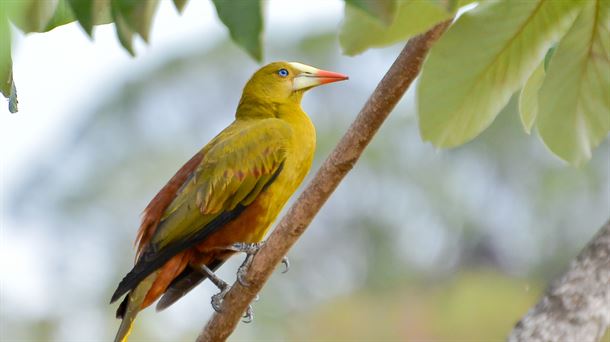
286, 264
248, 316
219, 297
243, 269
250, 249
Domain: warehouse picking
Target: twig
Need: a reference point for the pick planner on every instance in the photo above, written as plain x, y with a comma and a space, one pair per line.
379, 105
577, 306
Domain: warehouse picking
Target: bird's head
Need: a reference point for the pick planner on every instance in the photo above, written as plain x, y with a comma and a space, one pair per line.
282, 82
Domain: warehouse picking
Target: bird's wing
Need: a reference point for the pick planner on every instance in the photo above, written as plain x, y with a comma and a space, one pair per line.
239, 164
158, 205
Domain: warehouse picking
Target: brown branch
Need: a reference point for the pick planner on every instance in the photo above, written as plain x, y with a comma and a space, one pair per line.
379, 105
577, 306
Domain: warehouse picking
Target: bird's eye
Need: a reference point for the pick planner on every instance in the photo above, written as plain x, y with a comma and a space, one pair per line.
283, 72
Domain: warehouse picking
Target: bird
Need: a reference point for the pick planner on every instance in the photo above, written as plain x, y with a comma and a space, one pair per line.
225, 198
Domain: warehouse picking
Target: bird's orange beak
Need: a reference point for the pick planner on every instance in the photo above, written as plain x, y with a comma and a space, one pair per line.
310, 77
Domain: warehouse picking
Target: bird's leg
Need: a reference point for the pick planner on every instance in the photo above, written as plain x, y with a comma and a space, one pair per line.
224, 288
221, 284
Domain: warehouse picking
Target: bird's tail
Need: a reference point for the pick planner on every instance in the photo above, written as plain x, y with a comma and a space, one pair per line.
131, 305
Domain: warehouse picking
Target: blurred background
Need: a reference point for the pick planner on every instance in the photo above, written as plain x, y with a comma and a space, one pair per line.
416, 244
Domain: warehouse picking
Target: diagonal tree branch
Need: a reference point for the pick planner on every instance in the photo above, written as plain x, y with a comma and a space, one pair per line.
342, 159
577, 306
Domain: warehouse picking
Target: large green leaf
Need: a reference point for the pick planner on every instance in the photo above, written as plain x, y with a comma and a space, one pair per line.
384, 10
528, 99
574, 100
7, 86
245, 23
360, 31
484, 57
91, 12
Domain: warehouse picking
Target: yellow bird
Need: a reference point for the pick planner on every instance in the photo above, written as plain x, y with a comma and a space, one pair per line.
225, 198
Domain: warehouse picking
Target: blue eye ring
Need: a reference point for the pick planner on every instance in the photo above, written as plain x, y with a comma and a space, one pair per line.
283, 72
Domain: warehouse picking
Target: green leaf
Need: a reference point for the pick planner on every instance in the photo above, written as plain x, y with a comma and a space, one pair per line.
574, 100
63, 15
32, 15
138, 14
528, 99
123, 30
360, 31
484, 57
7, 85
180, 5
245, 23
384, 10
91, 12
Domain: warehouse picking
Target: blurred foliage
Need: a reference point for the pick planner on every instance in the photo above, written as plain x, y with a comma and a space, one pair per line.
440, 239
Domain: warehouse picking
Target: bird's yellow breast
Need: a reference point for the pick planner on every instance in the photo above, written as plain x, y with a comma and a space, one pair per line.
299, 157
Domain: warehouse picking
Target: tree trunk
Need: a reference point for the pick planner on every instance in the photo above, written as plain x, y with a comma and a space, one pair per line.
577, 306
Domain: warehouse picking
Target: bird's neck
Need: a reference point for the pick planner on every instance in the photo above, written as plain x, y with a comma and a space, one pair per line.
262, 107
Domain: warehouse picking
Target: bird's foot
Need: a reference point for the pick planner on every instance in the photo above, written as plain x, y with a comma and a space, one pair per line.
248, 248
251, 249
221, 284
219, 297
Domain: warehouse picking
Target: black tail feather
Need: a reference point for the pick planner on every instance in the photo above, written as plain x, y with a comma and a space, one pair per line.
120, 312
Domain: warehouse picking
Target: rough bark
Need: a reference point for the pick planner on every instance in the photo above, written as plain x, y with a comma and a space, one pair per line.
577, 306
341, 160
